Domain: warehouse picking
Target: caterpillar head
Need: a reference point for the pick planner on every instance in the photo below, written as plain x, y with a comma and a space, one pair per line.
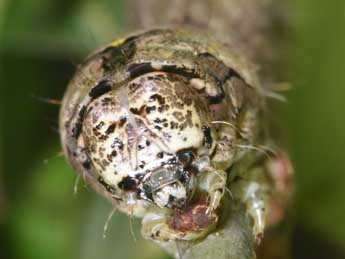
136, 120
143, 136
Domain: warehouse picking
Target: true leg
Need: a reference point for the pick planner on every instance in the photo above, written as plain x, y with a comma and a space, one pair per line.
213, 182
254, 190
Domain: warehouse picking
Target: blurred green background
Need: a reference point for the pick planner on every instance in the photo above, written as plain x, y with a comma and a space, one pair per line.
40, 217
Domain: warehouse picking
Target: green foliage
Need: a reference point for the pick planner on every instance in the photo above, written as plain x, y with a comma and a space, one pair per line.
316, 117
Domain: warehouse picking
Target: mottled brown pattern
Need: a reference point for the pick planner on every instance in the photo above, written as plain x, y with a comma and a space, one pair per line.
141, 110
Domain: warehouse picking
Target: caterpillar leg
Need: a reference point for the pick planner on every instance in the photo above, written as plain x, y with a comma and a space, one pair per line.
213, 182
255, 197
252, 187
266, 190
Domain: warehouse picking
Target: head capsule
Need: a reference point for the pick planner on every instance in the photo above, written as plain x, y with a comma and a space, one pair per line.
169, 187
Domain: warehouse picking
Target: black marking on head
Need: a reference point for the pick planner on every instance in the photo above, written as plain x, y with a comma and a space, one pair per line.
157, 97
79, 124
173, 125
101, 88
87, 164
106, 186
145, 192
128, 184
140, 176
77, 129
139, 111
141, 165
113, 153
207, 136
186, 156
149, 109
184, 177
163, 108
171, 200
157, 120
100, 125
136, 70
160, 155
122, 121
110, 129
117, 143
216, 99
172, 161
133, 87
82, 112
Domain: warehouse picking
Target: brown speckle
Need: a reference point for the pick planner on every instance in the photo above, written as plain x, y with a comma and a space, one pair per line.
122, 121
101, 88
150, 109
207, 136
178, 115
157, 97
110, 129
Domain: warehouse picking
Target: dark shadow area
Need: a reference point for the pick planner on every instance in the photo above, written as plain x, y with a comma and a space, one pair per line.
307, 244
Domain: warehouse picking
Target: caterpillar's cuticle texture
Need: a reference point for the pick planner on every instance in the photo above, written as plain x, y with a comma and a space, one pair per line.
138, 123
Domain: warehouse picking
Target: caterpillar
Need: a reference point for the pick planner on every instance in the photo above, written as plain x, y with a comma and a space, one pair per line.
164, 123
